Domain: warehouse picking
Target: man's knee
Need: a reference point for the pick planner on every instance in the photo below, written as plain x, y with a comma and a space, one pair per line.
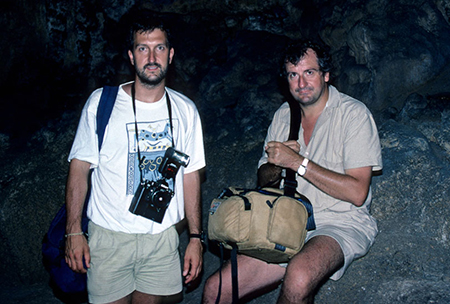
297, 285
319, 259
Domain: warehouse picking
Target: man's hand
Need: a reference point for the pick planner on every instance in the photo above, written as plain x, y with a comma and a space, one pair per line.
284, 155
193, 260
77, 253
293, 144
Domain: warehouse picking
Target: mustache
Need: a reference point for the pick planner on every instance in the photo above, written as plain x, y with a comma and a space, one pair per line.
300, 90
149, 65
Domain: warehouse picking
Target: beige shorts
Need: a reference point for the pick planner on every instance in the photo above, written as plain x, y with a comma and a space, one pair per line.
355, 234
122, 263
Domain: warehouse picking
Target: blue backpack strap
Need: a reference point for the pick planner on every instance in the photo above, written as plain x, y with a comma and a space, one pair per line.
104, 110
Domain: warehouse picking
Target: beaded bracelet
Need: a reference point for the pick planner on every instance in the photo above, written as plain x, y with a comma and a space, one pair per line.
73, 234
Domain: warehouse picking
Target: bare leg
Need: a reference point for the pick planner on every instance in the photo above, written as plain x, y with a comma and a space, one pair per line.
139, 298
253, 274
125, 300
319, 259
143, 298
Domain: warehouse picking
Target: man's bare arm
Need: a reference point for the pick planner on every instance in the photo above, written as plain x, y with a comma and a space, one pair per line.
353, 186
193, 259
77, 249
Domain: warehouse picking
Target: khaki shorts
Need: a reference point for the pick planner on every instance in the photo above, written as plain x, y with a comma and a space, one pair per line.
122, 263
355, 234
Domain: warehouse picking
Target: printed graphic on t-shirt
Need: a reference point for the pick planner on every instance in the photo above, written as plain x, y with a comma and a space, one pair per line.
154, 139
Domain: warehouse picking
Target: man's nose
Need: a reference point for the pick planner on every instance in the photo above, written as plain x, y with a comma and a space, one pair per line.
152, 57
301, 81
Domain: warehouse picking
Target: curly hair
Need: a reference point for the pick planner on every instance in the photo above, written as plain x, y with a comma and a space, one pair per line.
295, 51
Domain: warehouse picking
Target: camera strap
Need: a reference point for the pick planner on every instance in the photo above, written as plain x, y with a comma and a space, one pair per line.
169, 109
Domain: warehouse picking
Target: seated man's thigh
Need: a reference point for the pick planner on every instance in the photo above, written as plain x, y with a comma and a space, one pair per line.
353, 237
319, 258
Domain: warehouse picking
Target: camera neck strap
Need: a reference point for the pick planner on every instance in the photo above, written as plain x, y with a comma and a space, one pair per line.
169, 109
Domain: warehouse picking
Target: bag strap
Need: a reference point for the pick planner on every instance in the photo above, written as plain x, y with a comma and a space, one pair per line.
104, 110
290, 183
219, 292
234, 274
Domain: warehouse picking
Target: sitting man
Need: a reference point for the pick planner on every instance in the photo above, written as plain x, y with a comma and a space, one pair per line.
337, 150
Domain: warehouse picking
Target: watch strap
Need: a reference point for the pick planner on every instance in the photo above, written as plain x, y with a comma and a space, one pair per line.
201, 236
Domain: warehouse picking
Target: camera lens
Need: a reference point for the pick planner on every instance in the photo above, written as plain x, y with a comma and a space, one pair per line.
160, 197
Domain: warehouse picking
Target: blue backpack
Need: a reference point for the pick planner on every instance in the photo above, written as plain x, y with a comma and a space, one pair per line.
62, 278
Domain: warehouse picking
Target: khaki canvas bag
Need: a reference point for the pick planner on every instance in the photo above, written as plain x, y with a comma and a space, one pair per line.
262, 223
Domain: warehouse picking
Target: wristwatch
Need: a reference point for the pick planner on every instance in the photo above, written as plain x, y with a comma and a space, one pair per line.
302, 169
201, 236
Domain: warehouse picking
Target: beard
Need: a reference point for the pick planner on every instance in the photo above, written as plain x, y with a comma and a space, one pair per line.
153, 79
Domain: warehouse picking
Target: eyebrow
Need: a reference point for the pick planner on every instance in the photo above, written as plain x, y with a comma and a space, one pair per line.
159, 44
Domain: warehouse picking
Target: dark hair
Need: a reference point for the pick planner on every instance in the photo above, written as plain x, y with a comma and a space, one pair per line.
146, 22
297, 50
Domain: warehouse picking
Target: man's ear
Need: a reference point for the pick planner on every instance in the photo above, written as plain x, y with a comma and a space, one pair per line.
171, 53
130, 55
327, 76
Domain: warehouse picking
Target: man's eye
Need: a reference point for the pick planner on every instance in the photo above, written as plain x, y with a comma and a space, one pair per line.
311, 73
292, 75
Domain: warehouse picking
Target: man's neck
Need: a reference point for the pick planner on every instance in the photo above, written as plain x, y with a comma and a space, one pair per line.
146, 93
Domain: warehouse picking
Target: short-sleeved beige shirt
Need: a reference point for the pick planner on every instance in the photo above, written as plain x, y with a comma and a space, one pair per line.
345, 137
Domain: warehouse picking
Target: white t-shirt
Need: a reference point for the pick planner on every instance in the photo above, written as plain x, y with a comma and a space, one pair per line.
116, 172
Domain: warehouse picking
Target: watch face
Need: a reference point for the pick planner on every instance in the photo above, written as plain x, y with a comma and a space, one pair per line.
301, 170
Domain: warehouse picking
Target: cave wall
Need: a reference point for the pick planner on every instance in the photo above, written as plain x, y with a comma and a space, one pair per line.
54, 53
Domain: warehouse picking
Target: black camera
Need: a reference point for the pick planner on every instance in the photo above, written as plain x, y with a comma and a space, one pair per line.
153, 197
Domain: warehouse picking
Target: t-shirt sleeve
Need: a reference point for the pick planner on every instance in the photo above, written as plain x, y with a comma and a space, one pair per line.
194, 145
85, 144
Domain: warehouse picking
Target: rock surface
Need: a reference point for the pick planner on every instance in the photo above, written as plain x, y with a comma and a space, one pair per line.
227, 62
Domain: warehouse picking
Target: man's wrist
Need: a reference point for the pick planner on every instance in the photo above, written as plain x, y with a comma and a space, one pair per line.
201, 236
74, 234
